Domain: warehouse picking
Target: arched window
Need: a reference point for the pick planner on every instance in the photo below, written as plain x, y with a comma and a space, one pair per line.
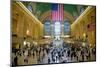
57, 28
81, 9
30, 8
47, 28
66, 28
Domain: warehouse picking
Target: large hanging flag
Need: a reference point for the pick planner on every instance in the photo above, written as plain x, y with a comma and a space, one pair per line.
57, 12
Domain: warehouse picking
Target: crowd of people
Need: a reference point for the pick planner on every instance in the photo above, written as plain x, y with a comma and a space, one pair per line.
69, 53
29, 55
49, 54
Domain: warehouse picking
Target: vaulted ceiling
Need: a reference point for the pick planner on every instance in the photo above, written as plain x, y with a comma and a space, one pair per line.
73, 10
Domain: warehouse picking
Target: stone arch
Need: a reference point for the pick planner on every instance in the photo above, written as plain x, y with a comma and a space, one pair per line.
48, 14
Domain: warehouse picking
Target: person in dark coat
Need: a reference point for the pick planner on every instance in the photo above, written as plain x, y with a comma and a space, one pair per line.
16, 61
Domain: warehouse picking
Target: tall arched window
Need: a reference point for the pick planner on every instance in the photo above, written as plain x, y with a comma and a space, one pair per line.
57, 28
66, 28
47, 28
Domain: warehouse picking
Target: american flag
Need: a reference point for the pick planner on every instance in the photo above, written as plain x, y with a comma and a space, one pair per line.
57, 12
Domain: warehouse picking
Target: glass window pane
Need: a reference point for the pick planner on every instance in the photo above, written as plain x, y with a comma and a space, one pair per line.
47, 27
66, 27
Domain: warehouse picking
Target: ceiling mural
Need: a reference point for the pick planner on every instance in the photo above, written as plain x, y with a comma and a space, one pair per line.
38, 8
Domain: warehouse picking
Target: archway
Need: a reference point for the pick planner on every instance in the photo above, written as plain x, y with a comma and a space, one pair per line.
47, 14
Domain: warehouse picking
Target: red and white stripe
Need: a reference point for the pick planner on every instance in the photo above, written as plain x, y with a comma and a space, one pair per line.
59, 14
